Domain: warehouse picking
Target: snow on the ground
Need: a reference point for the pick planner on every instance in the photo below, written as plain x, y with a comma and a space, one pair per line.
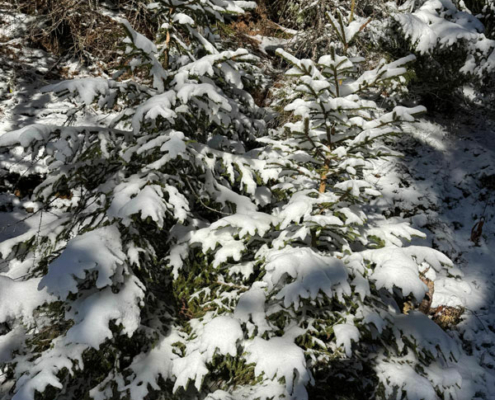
444, 185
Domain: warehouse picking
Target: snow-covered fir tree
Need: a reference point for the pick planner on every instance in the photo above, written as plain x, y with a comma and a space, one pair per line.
182, 250
114, 199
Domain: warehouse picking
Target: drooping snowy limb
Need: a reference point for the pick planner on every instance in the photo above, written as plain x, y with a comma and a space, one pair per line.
397, 267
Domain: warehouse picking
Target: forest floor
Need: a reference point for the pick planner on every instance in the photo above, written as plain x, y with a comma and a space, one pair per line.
444, 185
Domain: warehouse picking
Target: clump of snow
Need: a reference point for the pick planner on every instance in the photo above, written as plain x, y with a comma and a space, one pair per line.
251, 306
221, 334
93, 313
279, 357
80, 257
344, 335
311, 273
20, 298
